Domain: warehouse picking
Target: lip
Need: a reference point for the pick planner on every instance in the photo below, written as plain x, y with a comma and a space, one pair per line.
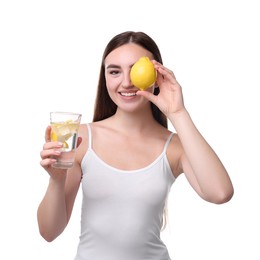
127, 94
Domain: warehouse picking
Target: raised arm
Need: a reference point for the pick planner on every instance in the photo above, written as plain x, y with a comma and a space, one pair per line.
198, 161
200, 164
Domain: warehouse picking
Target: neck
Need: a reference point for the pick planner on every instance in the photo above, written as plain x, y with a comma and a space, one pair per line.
136, 121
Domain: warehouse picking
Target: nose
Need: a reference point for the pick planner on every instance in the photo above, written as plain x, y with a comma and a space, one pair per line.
126, 82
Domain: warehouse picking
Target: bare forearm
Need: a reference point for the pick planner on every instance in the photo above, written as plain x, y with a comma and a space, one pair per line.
209, 171
52, 215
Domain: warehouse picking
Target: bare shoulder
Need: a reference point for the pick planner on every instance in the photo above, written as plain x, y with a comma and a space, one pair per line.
95, 127
83, 131
174, 153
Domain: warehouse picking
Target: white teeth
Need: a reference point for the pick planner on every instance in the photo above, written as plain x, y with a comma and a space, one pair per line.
128, 94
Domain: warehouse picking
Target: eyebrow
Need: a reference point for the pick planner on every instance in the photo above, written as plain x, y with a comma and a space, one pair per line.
113, 66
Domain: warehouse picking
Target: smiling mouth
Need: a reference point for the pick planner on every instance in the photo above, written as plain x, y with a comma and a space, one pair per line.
128, 94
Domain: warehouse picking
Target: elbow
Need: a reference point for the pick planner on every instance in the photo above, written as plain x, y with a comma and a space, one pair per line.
222, 197
219, 195
49, 231
49, 237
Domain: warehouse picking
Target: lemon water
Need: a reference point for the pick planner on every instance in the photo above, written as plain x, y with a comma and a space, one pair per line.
65, 132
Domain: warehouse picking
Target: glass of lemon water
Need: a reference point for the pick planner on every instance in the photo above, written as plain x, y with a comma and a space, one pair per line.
64, 128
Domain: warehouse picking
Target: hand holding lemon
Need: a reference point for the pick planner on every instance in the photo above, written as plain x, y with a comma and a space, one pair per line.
143, 74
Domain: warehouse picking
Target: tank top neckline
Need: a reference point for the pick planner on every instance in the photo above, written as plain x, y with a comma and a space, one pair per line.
115, 169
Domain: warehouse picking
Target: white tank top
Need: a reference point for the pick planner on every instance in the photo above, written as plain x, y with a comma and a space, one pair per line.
122, 211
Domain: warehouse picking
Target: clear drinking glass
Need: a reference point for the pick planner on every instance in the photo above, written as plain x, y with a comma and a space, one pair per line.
64, 128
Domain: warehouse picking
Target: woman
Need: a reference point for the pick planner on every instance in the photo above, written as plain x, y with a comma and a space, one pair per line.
127, 161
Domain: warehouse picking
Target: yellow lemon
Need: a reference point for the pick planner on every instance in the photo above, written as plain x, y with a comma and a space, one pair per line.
54, 137
65, 145
143, 74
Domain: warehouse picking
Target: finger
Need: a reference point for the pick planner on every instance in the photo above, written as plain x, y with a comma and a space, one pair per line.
163, 70
150, 96
48, 134
52, 145
49, 153
47, 162
79, 141
166, 72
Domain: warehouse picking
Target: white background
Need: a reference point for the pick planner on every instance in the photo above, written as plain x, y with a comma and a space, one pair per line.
50, 53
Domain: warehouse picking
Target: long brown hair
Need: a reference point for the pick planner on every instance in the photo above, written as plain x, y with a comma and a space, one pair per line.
104, 106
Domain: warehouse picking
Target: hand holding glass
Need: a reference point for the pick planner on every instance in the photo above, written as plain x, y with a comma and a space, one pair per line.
64, 129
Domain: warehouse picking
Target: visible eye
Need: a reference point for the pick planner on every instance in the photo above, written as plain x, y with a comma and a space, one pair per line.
113, 72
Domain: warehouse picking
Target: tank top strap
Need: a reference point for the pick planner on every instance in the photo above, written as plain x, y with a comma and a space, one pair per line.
167, 142
89, 136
